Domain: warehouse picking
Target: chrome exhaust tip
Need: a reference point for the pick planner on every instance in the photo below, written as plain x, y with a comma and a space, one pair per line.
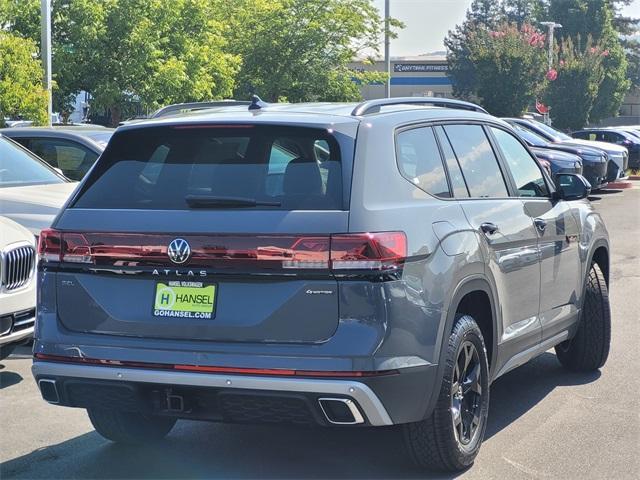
49, 390
340, 411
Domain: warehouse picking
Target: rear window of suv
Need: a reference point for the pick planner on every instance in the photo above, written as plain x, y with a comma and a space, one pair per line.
217, 166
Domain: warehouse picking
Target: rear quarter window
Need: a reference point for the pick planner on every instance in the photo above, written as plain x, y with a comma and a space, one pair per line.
420, 162
289, 168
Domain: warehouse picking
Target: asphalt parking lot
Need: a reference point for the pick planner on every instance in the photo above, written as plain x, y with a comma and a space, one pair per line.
544, 422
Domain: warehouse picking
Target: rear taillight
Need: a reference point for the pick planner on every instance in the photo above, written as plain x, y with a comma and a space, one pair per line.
379, 251
49, 245
368, 251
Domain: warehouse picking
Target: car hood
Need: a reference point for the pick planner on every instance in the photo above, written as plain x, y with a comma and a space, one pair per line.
577, 149
11, 232
607, 147
34, 206
555, 155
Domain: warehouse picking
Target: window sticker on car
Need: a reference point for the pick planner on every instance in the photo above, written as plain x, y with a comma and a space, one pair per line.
184, 300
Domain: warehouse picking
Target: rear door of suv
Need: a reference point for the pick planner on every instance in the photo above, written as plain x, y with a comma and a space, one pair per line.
206, 232
506, 232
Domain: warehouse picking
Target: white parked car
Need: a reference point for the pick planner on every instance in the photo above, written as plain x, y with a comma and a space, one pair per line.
17, 285
31, 192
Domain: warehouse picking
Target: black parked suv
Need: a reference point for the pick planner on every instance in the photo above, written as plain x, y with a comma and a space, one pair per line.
317, 264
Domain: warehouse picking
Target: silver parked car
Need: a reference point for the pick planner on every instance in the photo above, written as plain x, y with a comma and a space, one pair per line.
31, 192
73, 149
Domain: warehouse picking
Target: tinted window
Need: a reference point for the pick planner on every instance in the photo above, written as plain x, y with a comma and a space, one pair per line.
581, 135
524, 169
18, 168
531, 138
72, 158
455, 174
158, 168
420, 162
556, 134
101, 138
613, 137
477, 160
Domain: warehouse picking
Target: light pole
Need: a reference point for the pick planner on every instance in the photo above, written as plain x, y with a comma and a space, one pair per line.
387, 58
551, 26
45, 51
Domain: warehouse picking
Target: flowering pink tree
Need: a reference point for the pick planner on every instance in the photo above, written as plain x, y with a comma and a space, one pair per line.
509, 66
578, 71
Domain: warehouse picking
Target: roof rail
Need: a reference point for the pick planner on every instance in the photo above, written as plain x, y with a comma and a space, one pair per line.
373, 106
192, 106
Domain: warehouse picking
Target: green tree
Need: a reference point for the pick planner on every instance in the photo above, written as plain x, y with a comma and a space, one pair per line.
21, 92
579, 70
581, 19
146, 52
481, 14
522, 11
300, 50
507, 65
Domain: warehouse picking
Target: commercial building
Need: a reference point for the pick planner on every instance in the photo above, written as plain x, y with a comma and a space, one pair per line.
427, 76
420, 76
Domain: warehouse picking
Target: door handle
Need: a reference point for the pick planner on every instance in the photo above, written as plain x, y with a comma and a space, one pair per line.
489, 228
540, 224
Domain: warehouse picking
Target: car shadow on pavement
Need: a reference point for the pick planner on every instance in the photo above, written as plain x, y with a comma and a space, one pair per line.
9, 378
517, 392
198, 449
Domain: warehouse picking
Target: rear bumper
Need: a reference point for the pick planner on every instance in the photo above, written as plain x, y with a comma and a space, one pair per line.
381, 400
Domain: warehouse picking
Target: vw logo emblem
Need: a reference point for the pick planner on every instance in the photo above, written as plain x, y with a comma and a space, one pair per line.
179, 250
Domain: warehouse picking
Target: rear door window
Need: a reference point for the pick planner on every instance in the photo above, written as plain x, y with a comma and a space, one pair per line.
72, 158
477, 160
455, 174
262, 167
420, 162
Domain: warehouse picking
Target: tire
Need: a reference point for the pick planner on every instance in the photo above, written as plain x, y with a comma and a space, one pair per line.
588, 350
435, 443
130, 427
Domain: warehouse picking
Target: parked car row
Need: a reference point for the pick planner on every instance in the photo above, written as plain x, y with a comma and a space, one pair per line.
627, 137
39, 167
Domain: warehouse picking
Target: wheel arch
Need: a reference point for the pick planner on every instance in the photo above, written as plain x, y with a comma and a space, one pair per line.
467, 290
600, 256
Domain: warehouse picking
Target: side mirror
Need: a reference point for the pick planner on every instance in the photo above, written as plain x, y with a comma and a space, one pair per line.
571, 186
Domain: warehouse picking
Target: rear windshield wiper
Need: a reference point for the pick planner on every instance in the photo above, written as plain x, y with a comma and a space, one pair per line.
209, 201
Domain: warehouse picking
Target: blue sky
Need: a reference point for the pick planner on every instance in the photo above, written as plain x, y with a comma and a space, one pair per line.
428, 21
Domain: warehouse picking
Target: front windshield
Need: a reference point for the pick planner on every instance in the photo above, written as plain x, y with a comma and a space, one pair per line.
558, 135
18, 168
530, 137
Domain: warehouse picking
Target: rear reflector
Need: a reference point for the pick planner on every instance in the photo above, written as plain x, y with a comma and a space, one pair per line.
352, 251
213, 369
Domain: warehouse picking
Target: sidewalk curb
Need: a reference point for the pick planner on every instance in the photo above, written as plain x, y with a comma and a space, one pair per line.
633, 177
621, 184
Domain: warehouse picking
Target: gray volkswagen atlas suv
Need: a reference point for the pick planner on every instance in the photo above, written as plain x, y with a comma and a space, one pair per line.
317, 264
